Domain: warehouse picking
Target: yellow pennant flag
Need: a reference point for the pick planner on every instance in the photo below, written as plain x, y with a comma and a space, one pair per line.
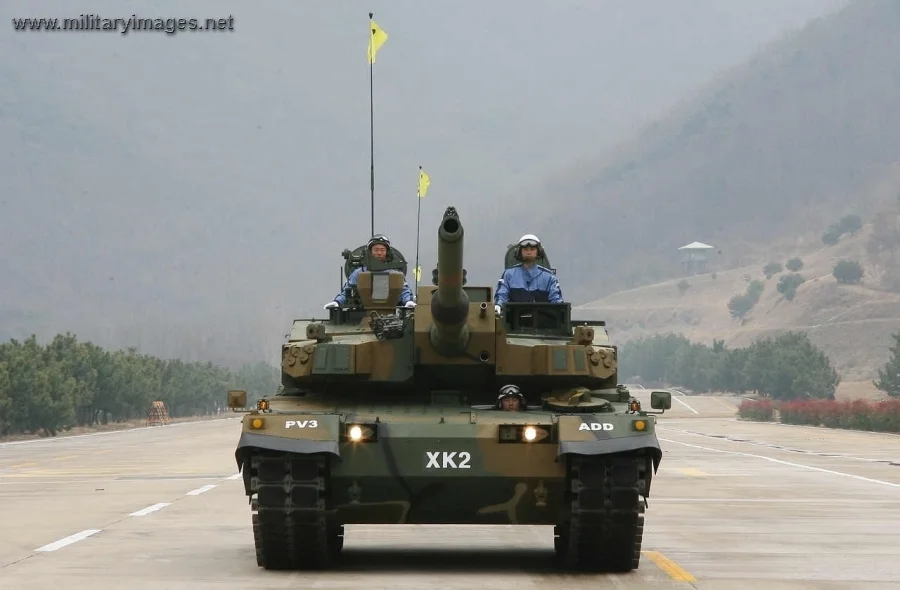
418, 273
377, 37
424, 183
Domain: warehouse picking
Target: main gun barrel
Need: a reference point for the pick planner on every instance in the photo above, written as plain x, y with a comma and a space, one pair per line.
450, 304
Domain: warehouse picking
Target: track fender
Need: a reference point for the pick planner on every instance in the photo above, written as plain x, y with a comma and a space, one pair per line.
591, 434
291, 433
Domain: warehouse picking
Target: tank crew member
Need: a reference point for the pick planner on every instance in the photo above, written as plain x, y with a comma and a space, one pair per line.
378, 246
527, 281
510, 399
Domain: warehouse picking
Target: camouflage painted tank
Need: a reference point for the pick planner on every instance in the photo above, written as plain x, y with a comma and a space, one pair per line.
389, 415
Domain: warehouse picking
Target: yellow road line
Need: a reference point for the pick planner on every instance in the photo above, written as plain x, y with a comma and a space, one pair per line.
692, 471
64, 458
675, 571
22, 465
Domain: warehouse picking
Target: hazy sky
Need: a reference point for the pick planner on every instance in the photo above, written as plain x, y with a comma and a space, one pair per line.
191, 165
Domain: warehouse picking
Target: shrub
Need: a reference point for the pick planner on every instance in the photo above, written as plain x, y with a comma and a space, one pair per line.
850, 224
848, 272
853, 415
889, 374
755, 289
886, 416
740, 305
787, 285
831, 236
794, 264
761, 411
772, 269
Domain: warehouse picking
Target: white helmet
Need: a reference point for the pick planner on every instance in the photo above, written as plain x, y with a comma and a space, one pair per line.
511, 390
529, 240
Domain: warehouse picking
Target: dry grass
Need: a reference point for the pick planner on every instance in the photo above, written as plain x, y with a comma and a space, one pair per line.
863, 390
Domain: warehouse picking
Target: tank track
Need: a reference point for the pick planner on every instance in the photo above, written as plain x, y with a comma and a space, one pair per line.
289, 502
604, 525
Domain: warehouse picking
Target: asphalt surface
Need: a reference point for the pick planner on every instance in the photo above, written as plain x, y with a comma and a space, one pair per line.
735, 505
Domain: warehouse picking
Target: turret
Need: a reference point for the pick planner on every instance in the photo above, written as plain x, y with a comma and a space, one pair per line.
449, 333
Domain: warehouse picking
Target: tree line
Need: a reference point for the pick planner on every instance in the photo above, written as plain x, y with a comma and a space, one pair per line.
786, 367
66, 383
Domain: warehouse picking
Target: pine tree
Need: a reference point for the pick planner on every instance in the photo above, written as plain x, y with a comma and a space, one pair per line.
889, 376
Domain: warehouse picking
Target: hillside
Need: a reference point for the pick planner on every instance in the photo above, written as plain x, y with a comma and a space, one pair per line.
852, 323
769, 152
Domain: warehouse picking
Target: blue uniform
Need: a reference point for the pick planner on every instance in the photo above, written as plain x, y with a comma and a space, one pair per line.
341, 297
535, 285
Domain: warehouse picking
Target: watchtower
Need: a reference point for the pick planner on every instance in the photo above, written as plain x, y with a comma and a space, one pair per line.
695, 258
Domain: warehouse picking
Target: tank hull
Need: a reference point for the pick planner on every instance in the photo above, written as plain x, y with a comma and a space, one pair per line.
448, 468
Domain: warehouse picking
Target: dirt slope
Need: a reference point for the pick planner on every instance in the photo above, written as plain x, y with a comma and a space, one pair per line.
851, 323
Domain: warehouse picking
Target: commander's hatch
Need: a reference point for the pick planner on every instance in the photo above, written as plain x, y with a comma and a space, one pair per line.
380, 289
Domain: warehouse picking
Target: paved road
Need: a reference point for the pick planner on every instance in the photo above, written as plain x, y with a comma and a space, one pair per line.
735, 505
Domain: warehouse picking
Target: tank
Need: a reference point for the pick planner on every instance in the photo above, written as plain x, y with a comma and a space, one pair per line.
389, 415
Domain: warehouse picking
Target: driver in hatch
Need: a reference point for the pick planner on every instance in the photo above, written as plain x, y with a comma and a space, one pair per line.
510, 399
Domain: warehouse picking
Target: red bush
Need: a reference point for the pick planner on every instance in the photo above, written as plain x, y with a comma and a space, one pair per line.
855, 415
762, 410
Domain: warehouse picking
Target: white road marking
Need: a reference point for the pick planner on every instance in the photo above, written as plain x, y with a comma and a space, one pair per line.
685, 405
149, 509
773, 446
788, 463
142, 512
68, 540
199, 491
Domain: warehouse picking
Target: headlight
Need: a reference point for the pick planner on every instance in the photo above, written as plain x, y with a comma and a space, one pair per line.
523, 433
361, 432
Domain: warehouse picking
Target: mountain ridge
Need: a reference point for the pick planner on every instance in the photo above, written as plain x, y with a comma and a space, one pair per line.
773, 149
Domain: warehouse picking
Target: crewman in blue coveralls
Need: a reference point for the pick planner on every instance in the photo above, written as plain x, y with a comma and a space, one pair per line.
527, 281
378, 246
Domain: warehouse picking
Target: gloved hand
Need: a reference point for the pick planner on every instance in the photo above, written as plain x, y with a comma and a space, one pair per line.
331, 305
409, 304
497, 309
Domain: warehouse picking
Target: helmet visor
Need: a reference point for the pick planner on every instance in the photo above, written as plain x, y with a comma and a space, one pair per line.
509, 390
